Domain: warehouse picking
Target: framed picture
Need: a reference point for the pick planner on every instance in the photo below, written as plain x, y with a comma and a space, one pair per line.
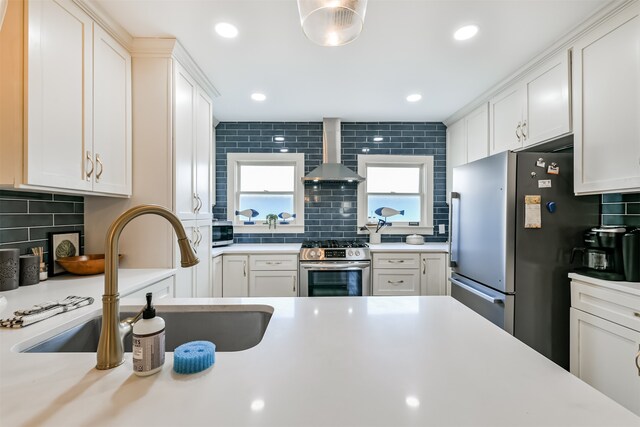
62, 244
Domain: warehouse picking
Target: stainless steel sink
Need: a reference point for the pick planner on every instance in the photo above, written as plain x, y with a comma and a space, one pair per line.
230, 328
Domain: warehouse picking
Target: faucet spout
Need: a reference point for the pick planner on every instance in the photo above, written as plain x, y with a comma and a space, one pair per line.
111, 347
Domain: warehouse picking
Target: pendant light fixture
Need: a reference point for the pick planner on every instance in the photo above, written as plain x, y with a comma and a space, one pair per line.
332, 22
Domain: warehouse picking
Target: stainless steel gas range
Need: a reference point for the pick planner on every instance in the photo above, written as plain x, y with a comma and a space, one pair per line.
335, 268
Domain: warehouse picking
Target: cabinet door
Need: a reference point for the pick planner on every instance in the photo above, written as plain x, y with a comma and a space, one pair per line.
456, 149
396, 282
606, 95
184, 144
216, 275
433, 274
273, 284
604, 355
59, 147
235, 276
548, 109
505, 111
203, 168
202, 285
161, 289
111, 115
477, 124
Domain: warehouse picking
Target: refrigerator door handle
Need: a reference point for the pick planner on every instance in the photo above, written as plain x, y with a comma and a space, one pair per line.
454, 222
476, 292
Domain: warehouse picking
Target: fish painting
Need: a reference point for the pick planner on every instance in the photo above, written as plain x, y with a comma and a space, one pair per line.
249, 213
387, 212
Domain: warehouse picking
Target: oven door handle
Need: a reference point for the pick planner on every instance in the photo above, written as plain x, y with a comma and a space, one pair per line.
335, 265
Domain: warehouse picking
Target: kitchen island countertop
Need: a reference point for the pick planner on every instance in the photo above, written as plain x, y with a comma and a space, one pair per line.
377, 361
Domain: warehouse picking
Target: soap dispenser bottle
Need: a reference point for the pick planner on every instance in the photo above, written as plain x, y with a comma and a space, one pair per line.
148, 342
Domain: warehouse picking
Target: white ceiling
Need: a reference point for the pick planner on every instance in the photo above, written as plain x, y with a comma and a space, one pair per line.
406, 47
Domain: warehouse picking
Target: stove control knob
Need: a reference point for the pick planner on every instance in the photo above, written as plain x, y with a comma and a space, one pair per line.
313, 254
357, 253
350, 253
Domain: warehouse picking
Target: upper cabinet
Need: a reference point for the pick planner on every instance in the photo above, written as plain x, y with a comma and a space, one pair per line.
75, 132
533, 110
606, 96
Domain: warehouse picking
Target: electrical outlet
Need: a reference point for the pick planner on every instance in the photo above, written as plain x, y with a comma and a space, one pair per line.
441, 229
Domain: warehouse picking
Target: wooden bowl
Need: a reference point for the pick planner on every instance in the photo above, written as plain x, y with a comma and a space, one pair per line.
84, 265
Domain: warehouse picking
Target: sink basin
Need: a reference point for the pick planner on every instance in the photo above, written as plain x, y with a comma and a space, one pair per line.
230, 328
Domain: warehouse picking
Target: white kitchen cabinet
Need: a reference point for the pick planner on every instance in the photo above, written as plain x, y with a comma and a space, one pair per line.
162, 289
235, 276
477, 133
216, 276
606, 96
196, 281
456, 149
193, 138
433, 274
111, 115
382, 260
396, 281
276, 283
605, 340
532, 110
72, 81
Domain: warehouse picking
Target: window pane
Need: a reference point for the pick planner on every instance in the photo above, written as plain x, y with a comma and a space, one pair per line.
266, 204
393, 180
409, 204
266, 178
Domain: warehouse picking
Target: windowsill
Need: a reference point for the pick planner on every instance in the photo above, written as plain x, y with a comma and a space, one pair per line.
264, 229
402, 230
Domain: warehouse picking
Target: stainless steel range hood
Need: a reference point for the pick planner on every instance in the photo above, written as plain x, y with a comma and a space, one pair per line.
331, 169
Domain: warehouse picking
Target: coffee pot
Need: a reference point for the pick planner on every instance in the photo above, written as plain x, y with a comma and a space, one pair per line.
602, 256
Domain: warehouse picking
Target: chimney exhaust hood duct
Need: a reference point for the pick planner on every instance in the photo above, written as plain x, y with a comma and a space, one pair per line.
331, 169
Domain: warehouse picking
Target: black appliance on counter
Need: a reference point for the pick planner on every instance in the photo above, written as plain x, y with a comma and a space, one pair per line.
335, 268
221, 233
602, 254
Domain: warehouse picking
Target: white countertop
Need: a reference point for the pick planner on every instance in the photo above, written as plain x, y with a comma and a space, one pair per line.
378, 361
294, 248
629, 287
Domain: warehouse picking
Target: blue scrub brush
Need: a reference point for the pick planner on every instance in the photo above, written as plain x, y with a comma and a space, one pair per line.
194, 356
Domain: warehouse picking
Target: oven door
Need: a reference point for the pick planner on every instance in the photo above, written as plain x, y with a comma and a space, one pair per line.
335, 279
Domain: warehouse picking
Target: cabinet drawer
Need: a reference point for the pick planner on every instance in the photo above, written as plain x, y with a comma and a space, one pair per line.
396, 282
617, 306
274, 262
161, 289
273, 284
395, 260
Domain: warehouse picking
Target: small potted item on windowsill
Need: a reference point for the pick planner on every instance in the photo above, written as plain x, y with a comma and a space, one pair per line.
272, 220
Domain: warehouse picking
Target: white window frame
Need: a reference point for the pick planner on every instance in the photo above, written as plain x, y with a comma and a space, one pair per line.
425, 163
235, 160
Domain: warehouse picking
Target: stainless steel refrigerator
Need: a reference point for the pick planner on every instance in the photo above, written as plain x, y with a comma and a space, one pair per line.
503, 266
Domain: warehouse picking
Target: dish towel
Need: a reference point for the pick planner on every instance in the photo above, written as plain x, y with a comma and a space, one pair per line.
44, 311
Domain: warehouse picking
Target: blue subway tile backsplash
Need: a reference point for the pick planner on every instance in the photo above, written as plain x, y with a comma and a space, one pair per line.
331, 208
621, 209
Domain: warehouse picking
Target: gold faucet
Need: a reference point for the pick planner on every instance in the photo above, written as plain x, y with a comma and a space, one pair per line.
111, 345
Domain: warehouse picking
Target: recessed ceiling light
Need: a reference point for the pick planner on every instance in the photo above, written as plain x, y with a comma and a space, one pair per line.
377, 139
284, 150
258, 96
466, 32
226, 30
279, 139
414, 97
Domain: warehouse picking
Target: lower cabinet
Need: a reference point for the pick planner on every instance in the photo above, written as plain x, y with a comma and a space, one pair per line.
216, 276
235, 276
409, 273
605, 342
161, 289
273, 284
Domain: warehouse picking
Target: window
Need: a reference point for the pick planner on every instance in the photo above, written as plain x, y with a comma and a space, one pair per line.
402, 184
260, 184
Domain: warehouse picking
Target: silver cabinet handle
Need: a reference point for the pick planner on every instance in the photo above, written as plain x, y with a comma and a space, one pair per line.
518, 128
199, 237
395, 282
273, 262
199, 203
454, 225
522, 130
244, 268
635, 313
396, 261
99, 162
476, 292
294, 284
638, 361
193, 242
424, 266
90, 172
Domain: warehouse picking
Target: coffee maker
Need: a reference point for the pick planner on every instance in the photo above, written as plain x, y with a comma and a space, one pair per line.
602, 256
